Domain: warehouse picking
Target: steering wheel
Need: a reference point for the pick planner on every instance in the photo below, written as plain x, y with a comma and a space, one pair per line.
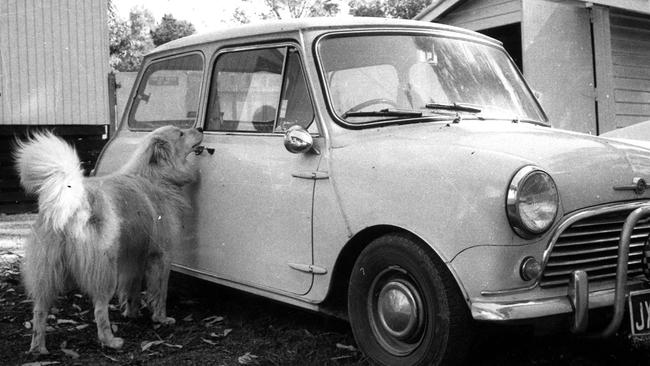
370, 102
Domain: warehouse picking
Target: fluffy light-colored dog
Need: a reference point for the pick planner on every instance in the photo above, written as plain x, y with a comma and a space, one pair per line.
104, 234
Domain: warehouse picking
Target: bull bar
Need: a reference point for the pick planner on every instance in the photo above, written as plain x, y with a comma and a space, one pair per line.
578, 299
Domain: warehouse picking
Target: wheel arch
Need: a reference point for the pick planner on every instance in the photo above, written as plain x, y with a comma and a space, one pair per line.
336, 300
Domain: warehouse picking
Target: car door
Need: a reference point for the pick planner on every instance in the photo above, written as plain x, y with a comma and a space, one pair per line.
253, 210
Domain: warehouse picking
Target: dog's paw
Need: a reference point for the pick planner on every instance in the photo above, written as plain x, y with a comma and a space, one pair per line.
115, 342
165, 321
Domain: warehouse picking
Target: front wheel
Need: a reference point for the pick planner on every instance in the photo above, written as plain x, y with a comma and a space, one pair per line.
404, 308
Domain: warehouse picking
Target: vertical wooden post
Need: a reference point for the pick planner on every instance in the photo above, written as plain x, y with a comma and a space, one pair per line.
606, 105
112, 102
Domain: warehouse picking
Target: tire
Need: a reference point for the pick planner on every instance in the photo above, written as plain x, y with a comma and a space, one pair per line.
432, 326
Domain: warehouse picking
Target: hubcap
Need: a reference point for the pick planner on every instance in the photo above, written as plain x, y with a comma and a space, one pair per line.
396, 312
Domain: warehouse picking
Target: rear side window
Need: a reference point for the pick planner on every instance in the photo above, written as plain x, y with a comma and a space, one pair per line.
168, 94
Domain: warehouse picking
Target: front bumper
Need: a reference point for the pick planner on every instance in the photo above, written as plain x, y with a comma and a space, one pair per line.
578, 299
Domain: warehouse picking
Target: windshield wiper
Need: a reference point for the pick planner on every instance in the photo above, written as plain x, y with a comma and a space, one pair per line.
453, 107
384, 113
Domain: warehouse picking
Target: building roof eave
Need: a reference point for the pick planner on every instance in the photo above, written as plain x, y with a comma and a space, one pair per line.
638, 6
436, 9
440, 7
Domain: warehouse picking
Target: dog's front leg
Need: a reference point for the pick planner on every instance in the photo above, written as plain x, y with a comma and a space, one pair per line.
39, 324
104, 332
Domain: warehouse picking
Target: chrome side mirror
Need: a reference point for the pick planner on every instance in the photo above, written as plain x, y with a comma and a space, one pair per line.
297, 140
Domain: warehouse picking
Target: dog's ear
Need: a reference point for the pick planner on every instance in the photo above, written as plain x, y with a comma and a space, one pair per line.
161, 151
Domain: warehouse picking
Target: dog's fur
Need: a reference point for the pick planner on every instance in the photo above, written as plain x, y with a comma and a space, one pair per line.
104, 234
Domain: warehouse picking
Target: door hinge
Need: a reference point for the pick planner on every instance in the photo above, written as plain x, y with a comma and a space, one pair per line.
308, 268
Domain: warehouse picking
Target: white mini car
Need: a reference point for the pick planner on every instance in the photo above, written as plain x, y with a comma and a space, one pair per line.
399, 174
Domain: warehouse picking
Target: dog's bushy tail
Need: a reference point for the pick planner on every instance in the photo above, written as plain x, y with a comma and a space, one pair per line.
50, 167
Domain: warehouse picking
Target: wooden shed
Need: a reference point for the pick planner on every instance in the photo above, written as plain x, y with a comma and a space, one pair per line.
53, 74
589, 60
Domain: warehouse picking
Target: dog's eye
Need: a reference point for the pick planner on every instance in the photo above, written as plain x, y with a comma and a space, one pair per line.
182, 134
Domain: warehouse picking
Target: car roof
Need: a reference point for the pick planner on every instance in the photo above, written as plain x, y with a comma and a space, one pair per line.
306, 24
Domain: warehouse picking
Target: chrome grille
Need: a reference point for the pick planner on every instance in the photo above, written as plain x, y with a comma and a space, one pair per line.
591, 244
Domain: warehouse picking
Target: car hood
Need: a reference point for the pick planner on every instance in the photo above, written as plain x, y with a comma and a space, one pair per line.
585, 168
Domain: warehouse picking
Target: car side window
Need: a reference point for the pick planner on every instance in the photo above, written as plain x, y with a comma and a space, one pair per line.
260, 90
295, 105
168, 94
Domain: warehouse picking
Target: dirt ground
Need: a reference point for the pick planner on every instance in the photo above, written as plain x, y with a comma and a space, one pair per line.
220, 326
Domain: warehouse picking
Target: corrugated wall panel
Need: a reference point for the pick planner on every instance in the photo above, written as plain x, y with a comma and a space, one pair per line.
630, 38
484, 14
54, 56
4, 113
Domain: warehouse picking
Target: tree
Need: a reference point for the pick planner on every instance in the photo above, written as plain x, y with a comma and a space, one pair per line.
403, 9
170, 29
129, 40
284, 9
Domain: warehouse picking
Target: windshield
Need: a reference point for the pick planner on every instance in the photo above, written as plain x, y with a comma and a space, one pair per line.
380, 77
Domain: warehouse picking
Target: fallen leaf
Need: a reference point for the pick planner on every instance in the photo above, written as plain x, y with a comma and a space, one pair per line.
51, 317
208, 341
54, 310
79, 296
221, 335
76, 307
41, 363
110, 358
114, 328
188, 318
81, 326
146, 345
28, 325
212, 320
112, 307
348, 348
172, 345
66, 321
50, 329
248, 359
68, 352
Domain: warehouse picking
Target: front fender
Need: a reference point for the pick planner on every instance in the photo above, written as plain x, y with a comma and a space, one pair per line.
452, 197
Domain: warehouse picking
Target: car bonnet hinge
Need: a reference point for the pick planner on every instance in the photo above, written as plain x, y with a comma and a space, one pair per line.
308, 268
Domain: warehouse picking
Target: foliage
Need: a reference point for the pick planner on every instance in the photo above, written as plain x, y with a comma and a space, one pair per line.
250, 10
170, 29
130, 40
404, 9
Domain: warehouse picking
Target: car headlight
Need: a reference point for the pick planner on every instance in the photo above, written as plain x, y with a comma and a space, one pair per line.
531, 202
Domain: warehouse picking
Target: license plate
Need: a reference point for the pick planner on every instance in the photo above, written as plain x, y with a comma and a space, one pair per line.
639, 306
